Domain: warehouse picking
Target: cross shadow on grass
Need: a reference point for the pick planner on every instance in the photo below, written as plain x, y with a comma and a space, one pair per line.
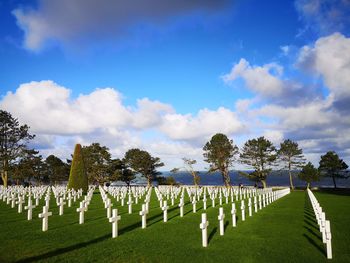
212, 233
61, 251
311, 224
226, 225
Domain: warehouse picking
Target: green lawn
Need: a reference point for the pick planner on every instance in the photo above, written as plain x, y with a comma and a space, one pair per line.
285, 231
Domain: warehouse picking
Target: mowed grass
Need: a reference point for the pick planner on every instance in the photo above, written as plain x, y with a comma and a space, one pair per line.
284, 231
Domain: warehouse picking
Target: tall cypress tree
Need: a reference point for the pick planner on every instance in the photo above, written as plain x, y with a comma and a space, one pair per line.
78, 177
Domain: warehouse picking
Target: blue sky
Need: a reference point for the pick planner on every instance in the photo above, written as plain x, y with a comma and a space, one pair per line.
165, 76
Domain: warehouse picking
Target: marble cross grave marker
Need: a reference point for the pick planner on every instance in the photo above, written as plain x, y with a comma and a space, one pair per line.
114, 220
204, 226
45, 216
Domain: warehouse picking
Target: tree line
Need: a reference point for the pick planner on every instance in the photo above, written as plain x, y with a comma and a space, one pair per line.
21, 164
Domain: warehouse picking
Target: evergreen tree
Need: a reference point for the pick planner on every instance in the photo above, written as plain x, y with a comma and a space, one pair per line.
292, 158
261, 155
309, 174
78, 177
332, 166
142, 162
13, 140
220, 153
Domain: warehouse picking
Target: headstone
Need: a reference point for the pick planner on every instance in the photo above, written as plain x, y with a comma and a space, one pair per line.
194, 205
165, 211
204, 226
204, 202
250, 206
20, 203
328, 239
221, 218
143, 214
45, 216
81, 211
30, 208
108, 206
61, 204
243, 210
255, 204
233, 213
129, 203
114, 220
181, 205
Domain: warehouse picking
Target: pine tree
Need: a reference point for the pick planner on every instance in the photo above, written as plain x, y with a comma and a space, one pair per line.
78, 177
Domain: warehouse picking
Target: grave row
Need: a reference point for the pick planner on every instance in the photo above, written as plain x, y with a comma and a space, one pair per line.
324, 225
257, 198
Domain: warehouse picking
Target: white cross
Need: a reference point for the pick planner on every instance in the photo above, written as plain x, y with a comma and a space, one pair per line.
255, 205
250, 206
114, 220
260, 206
243, 211
181, 205
30, 208
129, 203
45, 216
194, 202
221, 218
47, 201
81, 211
61, 203
69, 199
204, 203
143, 214
213, 200
108, 205
328, 239
13, 200
204, 226
233, 213
20, 203
165, 211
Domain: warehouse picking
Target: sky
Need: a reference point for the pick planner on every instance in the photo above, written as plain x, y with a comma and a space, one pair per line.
165, 76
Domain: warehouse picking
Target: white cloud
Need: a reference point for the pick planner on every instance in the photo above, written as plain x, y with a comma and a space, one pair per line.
329, 57
202, 126
262, 80
69, 21
60, 121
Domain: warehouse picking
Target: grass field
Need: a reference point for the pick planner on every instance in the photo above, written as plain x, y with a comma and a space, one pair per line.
284, 231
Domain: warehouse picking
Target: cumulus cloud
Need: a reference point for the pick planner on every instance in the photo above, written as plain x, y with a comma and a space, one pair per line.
202, 126
323, 17
269, 84
329, 58
60, 121
68, 21
262, 80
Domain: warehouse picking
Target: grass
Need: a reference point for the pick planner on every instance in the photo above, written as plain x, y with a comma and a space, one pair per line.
284, 231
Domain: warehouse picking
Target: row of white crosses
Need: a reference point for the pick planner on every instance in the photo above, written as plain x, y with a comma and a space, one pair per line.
204, 223
324, 225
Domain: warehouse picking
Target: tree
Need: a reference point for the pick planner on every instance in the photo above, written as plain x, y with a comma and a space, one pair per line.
122, 172
56, 169
13, 140
220, 152
97, 161
261, 155
309, 174
142, 162
292, 158
169, 180
188, 166
78, 177
332, 166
